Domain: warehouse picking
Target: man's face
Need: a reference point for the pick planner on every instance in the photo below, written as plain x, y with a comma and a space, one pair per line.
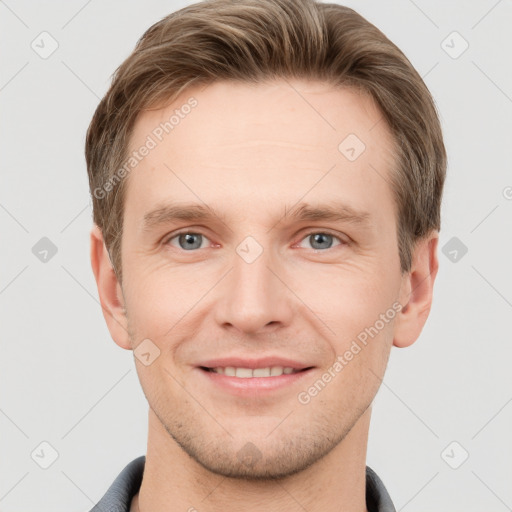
256, 285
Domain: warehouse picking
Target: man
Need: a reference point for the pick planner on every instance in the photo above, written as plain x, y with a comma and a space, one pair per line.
266, 179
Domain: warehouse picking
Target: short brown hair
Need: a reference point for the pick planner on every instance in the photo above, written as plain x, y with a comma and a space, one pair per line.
260, 40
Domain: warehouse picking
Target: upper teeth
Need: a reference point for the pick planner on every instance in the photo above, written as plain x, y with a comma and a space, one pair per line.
244, 373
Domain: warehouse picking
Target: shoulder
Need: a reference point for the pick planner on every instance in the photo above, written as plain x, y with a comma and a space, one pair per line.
377, 496
119, 495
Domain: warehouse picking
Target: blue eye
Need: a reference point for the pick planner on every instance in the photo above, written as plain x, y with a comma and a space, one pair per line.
188, 241
321, 240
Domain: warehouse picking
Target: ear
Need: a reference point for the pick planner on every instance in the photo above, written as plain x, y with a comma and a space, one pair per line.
109, 290
416, 292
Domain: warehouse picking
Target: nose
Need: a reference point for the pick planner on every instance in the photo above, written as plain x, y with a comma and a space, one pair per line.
254, 297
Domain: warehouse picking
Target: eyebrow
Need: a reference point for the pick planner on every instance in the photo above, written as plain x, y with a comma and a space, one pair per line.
330, 212
334, 212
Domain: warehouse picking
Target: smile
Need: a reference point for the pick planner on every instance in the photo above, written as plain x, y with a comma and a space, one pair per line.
247, 373
258, 381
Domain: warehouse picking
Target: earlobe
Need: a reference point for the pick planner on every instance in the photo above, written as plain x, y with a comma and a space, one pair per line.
109, 290
416, 292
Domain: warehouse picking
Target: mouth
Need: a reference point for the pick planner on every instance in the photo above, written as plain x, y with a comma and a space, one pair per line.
243, 377
248, 373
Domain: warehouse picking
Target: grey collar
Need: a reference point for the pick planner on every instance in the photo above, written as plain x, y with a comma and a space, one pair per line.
119, 496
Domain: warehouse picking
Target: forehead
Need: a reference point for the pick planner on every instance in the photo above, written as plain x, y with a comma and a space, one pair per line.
315, 112
278, 140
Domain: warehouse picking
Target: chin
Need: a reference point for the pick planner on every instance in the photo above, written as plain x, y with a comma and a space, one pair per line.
284, 452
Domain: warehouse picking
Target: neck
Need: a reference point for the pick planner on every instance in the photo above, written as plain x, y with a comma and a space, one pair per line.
334, 483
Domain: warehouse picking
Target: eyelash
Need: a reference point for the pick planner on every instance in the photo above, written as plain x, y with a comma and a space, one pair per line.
324, 232
306, 235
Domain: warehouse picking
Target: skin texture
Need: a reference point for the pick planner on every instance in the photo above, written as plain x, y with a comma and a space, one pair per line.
253, 153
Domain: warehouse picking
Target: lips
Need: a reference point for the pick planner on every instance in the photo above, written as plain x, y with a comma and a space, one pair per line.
254, 377
245, 373
245, 367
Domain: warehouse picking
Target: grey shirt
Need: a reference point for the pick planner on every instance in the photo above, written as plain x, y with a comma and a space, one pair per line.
119, 496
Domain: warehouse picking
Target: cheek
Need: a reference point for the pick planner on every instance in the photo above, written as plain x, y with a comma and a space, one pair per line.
160, 297
348, 300
356, 305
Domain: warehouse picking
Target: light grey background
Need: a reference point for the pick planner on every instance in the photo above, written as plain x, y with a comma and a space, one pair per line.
64, 381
